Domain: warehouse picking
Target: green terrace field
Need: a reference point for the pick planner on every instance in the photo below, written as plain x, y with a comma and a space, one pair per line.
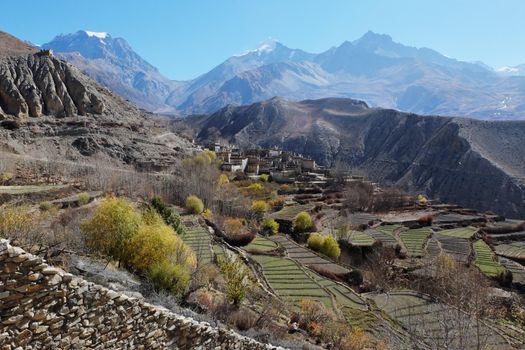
486, 260
384, 236
344, 296
514, 250
261, 244
290, 281
462, 232
359, 239
425, 319
390, 229
198, 238
290, 212
306, 257
414, 240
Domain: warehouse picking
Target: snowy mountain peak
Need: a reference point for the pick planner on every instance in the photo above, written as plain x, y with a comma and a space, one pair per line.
100, 35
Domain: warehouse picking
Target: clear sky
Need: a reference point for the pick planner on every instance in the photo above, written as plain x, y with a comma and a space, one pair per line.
187, 38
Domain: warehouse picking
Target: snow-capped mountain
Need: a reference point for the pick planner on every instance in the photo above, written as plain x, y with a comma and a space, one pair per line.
512, 71
113, 62
373, 68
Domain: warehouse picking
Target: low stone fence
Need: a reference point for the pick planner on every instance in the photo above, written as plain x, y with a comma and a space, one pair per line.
43, 307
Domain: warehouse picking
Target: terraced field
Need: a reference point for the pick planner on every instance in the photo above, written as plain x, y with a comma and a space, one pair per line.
385, 234
290, 212
17, 190
199, 239
459, 248
359, 239
426, 319
433, 248
514, 250
486, 261
290, 281
517, 270
414, 241
261, 243
390, 229
344, 296
462, 232
305, 256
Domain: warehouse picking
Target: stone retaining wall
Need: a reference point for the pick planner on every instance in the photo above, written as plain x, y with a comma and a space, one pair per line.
43, 307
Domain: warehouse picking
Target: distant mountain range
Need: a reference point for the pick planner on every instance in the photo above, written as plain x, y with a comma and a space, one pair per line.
478, 164
373, 68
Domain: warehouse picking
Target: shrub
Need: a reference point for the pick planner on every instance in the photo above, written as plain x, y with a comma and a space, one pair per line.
83, 198
270, 225
276, 202
194, 204
264, 177
112, 227
223, 180
172, 277
426, 219
237, 278
241, 239
232, 226
422, 199
315, 241
259, 206
302, 222
207, 214
45, 206
157, 242
17, 222
255, 188
324, 244
330, 247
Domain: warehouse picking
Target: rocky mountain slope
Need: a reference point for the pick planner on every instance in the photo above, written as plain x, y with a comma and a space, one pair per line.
114, 64
478, 164
48, 109
373, 68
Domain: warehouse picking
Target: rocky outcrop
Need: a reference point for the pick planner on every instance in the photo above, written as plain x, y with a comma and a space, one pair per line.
42, 307
478, 164
36, 85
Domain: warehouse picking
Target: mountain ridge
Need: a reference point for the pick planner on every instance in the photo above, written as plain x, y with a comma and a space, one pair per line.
474, 163
374, 68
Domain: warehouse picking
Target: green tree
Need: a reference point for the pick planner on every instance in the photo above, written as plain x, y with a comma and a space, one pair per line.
270, 225
302, 222
112, 227
194, 204
330, 247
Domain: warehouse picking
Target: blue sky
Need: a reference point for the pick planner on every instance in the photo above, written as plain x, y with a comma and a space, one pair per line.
187, 38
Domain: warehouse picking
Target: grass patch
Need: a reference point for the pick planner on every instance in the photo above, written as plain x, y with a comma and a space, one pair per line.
360, 239
462, 232
14, 190
486, 260
414, 240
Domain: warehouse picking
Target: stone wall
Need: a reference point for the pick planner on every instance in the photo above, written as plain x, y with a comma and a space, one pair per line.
43, 307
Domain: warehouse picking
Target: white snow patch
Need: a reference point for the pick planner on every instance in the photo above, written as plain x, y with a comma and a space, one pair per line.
266, 46
507, 70
100, 35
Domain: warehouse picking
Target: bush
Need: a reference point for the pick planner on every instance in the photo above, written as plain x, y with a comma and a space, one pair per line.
259, 206
425, 219
302, 222
174, 278
207, 214
17, 222
232, 226
112, 227
83, 198
237, 278
264, 177
315, 242
157, 242
324, 244
331, 247
223, 180
45, 206
194, 205
270, 225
